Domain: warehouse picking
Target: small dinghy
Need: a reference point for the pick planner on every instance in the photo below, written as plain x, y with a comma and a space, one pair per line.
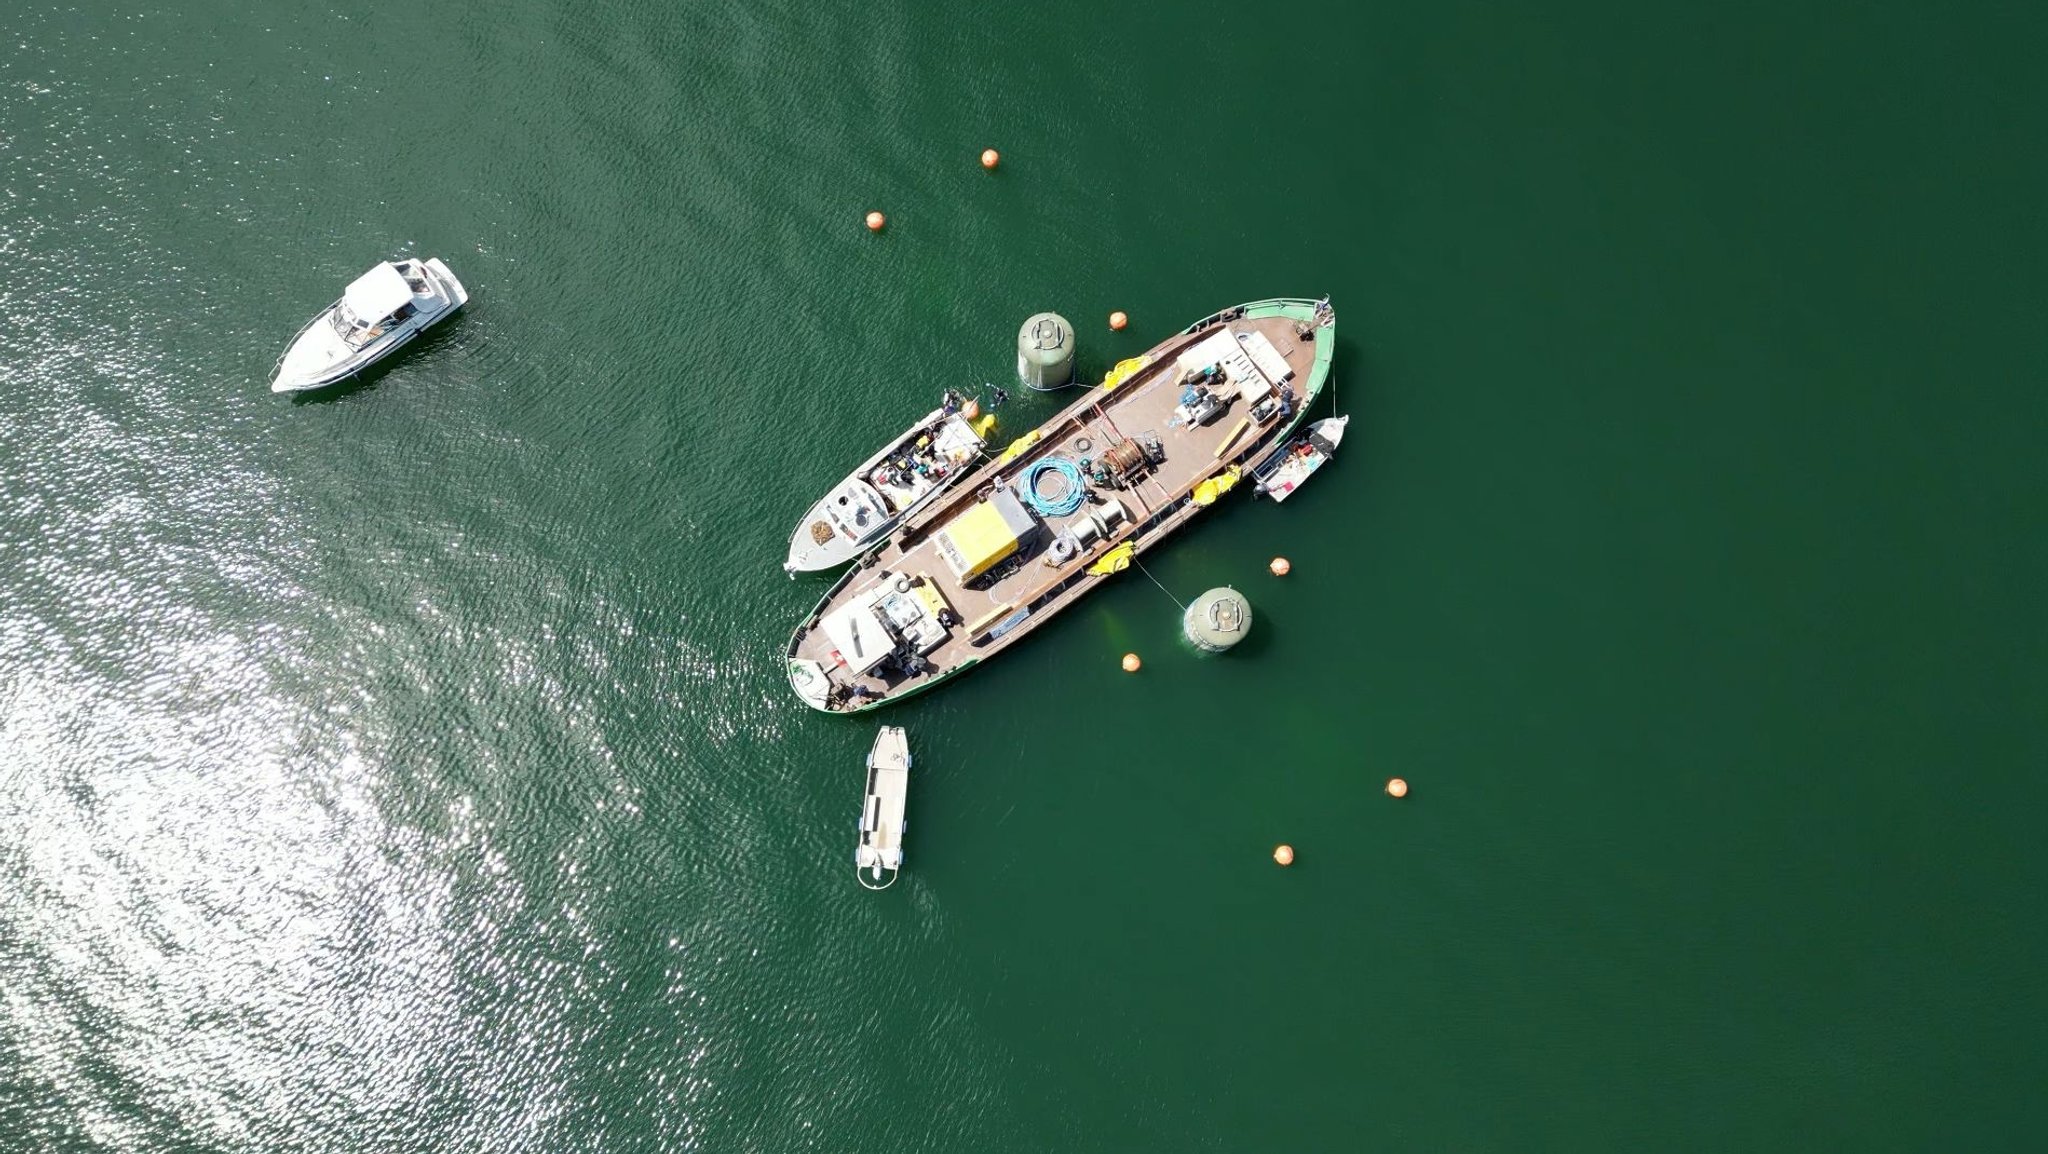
915, 466
377, 314
1291, 467
881, 812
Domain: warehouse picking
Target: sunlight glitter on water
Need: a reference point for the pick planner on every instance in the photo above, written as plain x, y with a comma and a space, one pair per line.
233, 936
216, 925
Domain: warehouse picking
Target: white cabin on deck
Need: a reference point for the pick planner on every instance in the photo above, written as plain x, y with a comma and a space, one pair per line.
890, 615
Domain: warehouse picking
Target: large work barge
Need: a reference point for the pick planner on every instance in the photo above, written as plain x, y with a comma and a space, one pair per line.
1066, 506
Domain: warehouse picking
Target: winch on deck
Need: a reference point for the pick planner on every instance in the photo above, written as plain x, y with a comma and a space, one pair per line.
1124, 461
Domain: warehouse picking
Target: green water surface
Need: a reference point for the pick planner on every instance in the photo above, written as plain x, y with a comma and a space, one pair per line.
412, 767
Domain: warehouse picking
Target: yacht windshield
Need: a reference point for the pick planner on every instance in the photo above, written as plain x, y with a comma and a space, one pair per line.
354, 331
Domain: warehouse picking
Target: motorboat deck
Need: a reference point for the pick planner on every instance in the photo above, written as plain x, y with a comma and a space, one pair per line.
857, 513
882, 823
1288, 470
1065, 506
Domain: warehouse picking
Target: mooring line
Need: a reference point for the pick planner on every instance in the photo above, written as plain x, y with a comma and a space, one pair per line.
1155, 581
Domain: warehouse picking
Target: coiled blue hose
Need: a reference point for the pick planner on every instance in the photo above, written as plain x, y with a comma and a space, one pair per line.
1065, 503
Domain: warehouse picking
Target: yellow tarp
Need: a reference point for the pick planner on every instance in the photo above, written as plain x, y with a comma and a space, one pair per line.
1018, 446
1124, 371
1207, 492
1115, 561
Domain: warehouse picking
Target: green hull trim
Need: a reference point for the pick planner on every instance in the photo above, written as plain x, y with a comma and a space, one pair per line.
1304, 310
893, 698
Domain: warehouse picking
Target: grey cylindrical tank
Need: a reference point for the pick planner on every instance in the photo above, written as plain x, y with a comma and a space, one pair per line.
1217, 620
1045, 351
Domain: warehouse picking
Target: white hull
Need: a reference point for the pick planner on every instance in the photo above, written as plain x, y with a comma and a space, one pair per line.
861, 509
880, 851
320, 356
1295, 464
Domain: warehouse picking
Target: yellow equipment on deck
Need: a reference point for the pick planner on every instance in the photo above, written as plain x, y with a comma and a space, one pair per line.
974, 541
1018, 446
1207, 492
934, 601
1115, 561
1124, 371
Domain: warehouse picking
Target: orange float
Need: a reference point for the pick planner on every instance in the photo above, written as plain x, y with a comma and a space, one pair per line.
1397, 788
1117, 321
875, 221
1281, 566
990, 158
1131, 663
1284, 855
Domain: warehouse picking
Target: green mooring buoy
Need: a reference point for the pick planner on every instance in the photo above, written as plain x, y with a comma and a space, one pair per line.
1217, 620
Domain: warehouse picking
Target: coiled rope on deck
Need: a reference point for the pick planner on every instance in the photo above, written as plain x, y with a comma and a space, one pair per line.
1064, 501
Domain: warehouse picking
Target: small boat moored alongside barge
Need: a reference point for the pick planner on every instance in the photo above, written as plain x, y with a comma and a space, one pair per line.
1066, 506
1291, 467
912, 469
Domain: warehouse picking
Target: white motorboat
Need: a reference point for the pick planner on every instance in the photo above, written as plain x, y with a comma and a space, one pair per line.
873, 499
881, 810
1291, 467
378, 313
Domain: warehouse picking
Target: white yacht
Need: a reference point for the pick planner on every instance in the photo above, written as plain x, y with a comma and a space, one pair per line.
912, 469
378, 312
881, 810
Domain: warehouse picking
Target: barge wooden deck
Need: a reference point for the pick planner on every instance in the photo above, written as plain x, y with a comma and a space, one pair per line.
927, 604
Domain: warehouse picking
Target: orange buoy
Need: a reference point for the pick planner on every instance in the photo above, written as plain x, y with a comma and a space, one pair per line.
1118, 320
1284, 855
1281, 566
1131, 663
990, 158
1397, 788
875, 221
970, 410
